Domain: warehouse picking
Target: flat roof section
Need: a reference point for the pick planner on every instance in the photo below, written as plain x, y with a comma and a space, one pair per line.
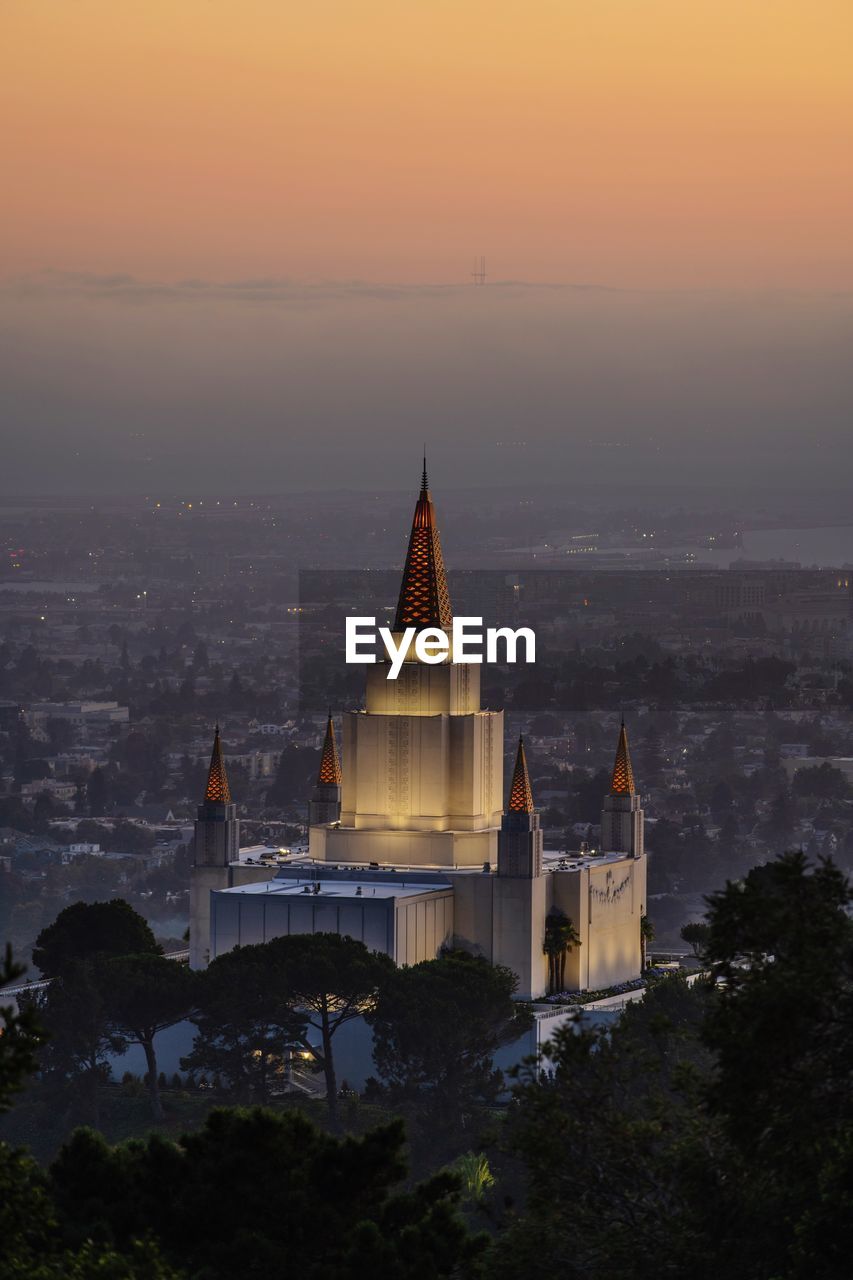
370, 889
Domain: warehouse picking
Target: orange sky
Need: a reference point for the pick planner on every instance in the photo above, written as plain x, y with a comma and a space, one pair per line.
650, 143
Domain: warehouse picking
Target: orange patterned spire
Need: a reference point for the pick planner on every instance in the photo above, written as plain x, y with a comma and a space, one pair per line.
623, 775
218, 791
520, 793
424, 599
330, 765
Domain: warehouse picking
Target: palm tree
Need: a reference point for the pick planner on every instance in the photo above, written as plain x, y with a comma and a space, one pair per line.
647, 935
476, 1176
560, 937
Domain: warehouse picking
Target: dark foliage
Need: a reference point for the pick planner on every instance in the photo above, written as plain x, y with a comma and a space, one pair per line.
143, 995
436, 1027
256, 1194
21, 1036
85, 930
245, 1022
711, 1132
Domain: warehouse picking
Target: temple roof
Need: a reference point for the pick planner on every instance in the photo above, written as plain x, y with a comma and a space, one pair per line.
218, 791
622, 783
330, 765
424, 599
520, 793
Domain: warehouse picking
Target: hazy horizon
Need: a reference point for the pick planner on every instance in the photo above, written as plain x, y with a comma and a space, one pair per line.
238, 244
118, 384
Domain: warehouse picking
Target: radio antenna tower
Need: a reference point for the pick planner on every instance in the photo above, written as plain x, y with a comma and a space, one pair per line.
478, 275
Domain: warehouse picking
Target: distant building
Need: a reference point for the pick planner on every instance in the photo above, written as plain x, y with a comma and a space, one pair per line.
793, 764
258, 765
79, 714
58, 790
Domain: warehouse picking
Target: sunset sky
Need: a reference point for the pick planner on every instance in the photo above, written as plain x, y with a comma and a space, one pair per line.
257, 217
630, 142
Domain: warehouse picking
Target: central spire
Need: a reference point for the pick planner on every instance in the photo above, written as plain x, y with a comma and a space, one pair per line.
622, 783
218, 791
424, 598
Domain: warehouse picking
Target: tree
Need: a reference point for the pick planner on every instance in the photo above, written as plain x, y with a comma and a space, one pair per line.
201, 660
29, 1230
715, 1121
721, 801
28, 1220
43, 809
97, 793
821, 781
436, 1028
61, 735
21, 1036
235, 692
296, 770
127, 837
599, 1124
727, 837
143, 995
781, 942
585, 797
88, 929
26, 1213
647, 936
780, 818
74, 1058
561, 937
305, 1202
335, 979
696, 935
245, 1020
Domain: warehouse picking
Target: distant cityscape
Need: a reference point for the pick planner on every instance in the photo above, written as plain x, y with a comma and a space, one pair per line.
127, 631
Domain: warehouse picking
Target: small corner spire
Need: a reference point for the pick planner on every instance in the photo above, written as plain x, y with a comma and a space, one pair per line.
330, 764
218, 791
520, 792
622, 783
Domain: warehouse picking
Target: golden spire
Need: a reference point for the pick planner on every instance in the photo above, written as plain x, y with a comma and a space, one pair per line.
218, 791
623, 775
520, 793
330, 765
424, 599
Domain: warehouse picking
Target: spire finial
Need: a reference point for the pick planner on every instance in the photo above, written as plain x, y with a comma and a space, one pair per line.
218, 791
622, 783
424, 479
520, 792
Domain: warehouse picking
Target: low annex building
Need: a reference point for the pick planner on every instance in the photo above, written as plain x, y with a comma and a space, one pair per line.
411, 848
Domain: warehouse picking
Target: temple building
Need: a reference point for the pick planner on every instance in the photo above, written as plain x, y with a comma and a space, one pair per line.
410, 846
